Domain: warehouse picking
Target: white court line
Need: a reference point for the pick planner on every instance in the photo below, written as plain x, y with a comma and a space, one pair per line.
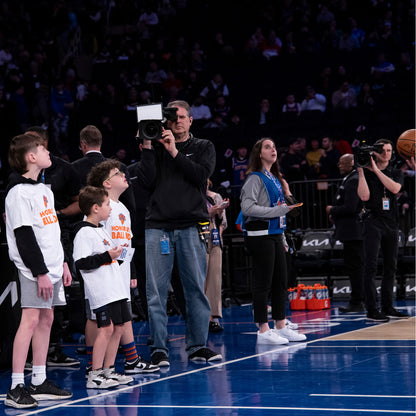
361, 346
128, 388
364, 395
309, 409
71, 403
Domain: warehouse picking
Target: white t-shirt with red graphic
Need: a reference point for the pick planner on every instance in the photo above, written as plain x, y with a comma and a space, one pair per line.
104, 284
33, 205
118, 226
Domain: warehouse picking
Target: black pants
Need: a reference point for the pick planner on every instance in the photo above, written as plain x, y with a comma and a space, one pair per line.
378, 235
270, 276
353, 264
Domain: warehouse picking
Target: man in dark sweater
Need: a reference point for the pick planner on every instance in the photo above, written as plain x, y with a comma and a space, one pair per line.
349, 230
176, 205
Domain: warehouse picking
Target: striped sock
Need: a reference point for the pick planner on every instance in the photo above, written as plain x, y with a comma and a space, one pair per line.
89, 354
130, 352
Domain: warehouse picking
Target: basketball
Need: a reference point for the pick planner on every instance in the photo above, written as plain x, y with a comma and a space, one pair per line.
406, 144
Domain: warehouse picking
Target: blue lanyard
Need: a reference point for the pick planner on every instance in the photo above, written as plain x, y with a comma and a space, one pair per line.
275, 181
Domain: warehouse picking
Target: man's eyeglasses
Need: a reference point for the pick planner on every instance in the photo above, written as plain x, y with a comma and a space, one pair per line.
114, 174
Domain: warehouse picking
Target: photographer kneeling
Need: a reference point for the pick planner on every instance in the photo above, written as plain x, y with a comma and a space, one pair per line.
378, 185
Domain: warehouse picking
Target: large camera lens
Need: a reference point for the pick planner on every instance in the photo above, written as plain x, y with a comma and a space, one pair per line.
150, 129
363, 159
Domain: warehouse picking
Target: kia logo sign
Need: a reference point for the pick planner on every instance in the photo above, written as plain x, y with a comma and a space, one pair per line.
316, 243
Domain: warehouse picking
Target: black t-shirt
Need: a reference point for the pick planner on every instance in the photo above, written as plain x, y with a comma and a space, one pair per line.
378, 192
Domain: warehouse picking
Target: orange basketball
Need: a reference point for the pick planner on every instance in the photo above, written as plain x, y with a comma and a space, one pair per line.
406, 144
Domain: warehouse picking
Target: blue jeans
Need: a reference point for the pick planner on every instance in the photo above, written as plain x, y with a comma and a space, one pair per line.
192, 266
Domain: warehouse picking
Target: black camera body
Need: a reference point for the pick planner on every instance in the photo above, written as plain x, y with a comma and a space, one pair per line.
152, 118
365, 153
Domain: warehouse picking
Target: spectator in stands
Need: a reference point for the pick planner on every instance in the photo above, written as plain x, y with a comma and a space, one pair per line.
62, 103
313, 101
198, 58
329, 159
264, 212
154, 79
266, 116
199, 110
349, 230
313, 157
215, 88
291, 106
239, 164
293, 163
221, 107
271, 48
217, 122
344, 98
147, 23
382, 65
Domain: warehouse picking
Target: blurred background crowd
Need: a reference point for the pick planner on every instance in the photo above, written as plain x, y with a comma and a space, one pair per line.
299, 71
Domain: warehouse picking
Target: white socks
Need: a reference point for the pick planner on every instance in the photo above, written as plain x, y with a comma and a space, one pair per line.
17, 378
38, 374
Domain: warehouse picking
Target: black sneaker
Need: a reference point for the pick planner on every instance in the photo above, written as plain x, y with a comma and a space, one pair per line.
377, 316
394, 313
215, 327
206, 355
48, 391
59, 359
352, 308
20, 398
139, 366
160, 359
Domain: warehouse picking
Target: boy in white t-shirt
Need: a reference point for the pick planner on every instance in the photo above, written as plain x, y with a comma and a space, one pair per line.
95, 257
34, 241
108, 175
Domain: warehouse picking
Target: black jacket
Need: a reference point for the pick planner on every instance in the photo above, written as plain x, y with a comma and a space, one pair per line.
178, 185
83, 167
346, 208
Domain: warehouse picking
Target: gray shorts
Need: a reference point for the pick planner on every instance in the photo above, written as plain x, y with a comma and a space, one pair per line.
29, 294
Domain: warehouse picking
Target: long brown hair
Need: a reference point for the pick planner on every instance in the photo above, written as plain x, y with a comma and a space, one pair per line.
254, 161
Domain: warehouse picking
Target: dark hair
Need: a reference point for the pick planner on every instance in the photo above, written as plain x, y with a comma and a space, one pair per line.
99, 173
254, 161
384, 141
91, 136
39, 131
19, 147
89, 196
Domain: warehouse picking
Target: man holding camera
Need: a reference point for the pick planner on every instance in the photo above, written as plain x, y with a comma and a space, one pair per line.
348, 229
378, 185
176, 207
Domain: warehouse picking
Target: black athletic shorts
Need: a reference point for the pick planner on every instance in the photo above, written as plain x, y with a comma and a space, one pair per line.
116, 312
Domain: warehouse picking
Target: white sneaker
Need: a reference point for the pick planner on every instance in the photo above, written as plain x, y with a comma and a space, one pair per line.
290, 324
271, 337
98, 380
120, 378
290, 334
